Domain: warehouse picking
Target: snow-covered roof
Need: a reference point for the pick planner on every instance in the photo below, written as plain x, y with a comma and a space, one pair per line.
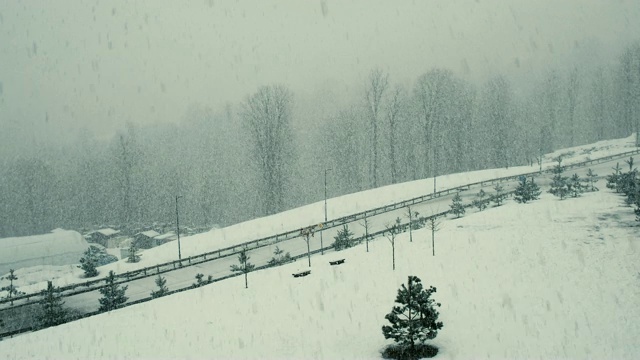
108, 231
149, 233
166, 236
105, 232
57, 248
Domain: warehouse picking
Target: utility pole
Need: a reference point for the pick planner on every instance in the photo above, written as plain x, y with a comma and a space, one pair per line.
178, 227
325, 208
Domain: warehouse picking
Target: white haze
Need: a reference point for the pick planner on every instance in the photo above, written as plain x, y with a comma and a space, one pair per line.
68, 65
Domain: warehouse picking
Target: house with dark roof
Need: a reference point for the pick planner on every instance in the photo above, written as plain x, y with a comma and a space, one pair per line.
145, 239
101, 236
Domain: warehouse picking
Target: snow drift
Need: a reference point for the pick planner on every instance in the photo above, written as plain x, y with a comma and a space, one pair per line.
61, 247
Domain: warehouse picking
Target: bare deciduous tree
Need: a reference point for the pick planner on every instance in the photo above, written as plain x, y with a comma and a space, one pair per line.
434, 225
376, 86
392, 232
365, 225
572, 100
393, 114
267, 114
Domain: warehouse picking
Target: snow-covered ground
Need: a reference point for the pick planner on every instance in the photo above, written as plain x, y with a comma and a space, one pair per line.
549, 279
314, 213
59, 247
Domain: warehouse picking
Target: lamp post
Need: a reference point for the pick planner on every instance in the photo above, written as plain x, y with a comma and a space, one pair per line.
325, 207
178, 227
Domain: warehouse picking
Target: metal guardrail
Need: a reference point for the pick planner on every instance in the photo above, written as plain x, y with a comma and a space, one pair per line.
154, 270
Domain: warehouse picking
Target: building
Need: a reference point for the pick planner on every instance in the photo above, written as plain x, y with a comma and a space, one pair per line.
102, 236
145, 239
165, 238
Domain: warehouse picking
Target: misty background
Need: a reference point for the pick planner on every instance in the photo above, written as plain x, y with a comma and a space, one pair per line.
108, 110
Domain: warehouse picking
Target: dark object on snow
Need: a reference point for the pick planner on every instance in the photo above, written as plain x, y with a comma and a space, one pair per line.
336, 262
303, 273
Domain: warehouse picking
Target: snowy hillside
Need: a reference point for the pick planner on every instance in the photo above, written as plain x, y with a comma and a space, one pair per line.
314, 213
550, 279
60, 247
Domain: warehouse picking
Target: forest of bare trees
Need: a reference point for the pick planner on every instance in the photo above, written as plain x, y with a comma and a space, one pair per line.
269, 152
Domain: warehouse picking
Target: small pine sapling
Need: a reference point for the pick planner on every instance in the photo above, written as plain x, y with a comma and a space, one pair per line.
52, 310
479, 201
199, 282
88, 263
575, 186
133, 253
344, 239
612, 179
456, 206
533, 189
413, 321
113, 296
11, 289
630, 163
628, 185
279, 257
499, 196
161, 283
419, 224
559, 184
245, 266
526, 191
591, 179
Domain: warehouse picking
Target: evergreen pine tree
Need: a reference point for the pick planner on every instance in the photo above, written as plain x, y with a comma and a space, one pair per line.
533, 189
479, 201
456, 206
612, 180
630, 163
162, 287
279, 258
559, 185
52, 311
415, 320
88, 262
133, 253
11, 290
245, 267
199, 282
575, 186
499, 196
526, 191
344, 239
591, 179
112, 295
628, 185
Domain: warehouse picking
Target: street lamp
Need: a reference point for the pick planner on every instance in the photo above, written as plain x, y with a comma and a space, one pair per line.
178, 227
325, 207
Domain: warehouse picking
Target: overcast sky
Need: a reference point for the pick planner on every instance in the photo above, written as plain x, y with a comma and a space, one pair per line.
70, 64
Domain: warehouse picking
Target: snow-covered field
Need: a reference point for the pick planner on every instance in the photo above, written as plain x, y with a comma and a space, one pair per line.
312, 214
549, 279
